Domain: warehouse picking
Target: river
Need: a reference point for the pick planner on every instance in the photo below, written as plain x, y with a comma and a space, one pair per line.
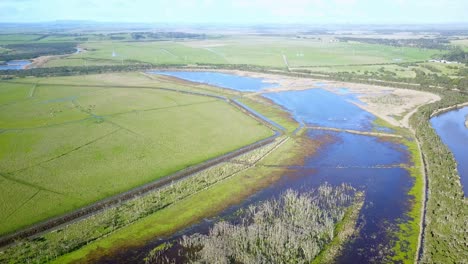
372, 164
450, 126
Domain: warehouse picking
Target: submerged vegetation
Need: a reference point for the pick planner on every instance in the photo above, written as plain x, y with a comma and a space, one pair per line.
294, 228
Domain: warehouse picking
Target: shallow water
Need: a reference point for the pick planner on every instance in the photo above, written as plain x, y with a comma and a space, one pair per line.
224, 80
15, 65
386, 193
319, 107
370, 164
451, 128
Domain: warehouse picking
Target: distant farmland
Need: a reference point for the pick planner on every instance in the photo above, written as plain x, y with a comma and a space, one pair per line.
265, 51
67, 142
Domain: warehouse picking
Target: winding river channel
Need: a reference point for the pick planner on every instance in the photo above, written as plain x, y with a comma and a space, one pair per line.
375, 165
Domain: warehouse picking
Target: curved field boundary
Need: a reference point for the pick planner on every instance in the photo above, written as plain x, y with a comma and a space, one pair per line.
117, 199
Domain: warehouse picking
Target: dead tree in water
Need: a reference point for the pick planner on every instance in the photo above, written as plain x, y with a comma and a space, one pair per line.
291, 229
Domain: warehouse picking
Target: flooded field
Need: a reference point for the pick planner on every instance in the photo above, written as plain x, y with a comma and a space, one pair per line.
375, 165
224, 80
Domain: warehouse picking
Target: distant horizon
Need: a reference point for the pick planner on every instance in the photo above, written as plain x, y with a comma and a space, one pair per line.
240, 12
77, 21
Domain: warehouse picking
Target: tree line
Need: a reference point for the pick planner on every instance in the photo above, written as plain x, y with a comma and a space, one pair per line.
24, 51
423, 43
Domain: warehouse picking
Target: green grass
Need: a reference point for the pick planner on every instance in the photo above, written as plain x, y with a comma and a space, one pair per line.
461, 42
408, 234
262, 51
17, 38
394, 70
10, 93
188, 211
68, 146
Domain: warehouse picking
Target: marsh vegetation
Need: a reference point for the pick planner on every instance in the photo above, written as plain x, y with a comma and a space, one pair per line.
293, 228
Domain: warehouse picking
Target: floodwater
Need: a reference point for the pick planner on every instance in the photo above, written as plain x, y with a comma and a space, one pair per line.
319, 107
15, 65
370, 164
224, 80
451, 128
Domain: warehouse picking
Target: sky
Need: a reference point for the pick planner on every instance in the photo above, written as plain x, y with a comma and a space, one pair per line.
239, 11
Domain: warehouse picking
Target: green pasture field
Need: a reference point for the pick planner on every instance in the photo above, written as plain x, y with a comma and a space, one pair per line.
190, 210
17, 38
400, 70
262, 51
67, 142
461, 42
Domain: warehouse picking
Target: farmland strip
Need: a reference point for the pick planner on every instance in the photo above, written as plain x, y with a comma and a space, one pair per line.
68, 152
117, 199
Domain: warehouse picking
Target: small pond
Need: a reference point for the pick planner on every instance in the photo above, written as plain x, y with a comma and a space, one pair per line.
15, 65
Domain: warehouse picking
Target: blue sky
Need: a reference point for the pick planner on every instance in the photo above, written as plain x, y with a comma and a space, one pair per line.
238, 11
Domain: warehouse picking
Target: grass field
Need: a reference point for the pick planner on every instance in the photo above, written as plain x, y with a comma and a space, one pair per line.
461, 42
17, 38
202, 204
397, 70
263, 51
69, 141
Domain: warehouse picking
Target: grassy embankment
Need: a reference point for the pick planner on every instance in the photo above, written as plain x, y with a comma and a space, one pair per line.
197, 206
406, 246
407, 235
67, 142
121, 217
205, 203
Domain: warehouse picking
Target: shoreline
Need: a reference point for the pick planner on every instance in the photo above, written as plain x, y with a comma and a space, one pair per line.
41, 60
403, 123
408, 113
367, 93
448, 109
